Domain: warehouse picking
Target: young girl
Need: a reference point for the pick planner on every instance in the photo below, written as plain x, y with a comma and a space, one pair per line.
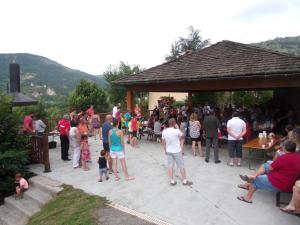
85, 151
21, 186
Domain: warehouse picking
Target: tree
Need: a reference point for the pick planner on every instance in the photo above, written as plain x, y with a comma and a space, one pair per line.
88, 93
13, 155
250, 98
193, 42
116, 93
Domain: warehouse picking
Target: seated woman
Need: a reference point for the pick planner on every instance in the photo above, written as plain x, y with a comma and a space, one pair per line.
294, 206
280, 175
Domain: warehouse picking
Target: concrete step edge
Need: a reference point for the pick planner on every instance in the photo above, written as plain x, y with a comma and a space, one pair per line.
45, 188
12, 217
38, 196
13, 204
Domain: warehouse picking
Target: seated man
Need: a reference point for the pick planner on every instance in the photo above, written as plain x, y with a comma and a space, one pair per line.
280, 175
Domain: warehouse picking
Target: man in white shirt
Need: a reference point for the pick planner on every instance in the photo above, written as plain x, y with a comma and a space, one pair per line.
171, 143
236, 129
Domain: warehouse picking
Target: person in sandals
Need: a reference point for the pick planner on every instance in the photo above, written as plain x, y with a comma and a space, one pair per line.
117, 149
171, 143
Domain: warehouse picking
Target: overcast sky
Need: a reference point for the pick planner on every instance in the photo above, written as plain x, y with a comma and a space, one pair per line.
89, 35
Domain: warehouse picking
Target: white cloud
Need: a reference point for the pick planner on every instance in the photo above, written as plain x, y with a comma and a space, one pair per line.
91, 34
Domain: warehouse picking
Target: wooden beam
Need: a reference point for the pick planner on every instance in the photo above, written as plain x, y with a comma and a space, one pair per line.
220, 85
129, 100
190, 100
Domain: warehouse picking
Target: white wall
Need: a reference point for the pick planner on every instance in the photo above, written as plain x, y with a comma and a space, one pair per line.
155, 96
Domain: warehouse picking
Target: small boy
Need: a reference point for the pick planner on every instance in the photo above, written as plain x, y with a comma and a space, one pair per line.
102, 165
21, 186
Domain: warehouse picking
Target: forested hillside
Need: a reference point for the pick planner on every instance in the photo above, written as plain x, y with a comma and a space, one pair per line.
42, 77
289, 45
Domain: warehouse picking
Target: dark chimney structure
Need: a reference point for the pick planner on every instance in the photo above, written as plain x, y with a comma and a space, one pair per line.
18, 99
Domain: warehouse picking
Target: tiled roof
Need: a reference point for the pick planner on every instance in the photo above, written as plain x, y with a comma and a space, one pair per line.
223, 60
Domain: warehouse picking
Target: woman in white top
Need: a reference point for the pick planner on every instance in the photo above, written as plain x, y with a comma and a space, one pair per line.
194, 129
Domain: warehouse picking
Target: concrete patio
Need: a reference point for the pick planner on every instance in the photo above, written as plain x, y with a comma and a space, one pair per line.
210, 200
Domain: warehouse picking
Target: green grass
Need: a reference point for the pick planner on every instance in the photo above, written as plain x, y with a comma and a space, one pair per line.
70, 207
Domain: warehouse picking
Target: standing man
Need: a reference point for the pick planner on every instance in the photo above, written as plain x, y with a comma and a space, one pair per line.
211, 125
64, 128
106, 127
171, 143
236, 129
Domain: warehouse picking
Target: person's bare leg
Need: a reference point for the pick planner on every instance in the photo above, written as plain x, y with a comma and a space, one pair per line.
100, 133
194, 147
95, 130
183, 174
200, 149
181, 145
250, 193
124, 168
115, 168
171, 174
294, 204
260, 171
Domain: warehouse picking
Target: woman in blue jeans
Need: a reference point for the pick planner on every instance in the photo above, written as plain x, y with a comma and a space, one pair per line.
117, 150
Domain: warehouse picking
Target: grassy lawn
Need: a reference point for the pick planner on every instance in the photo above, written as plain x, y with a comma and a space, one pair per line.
70, 207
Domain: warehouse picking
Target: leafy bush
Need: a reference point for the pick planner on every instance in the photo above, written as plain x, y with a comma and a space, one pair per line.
13, 155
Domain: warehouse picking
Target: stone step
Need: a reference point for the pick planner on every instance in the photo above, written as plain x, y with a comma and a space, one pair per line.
46, 185
9, 217
37, 195
25, 206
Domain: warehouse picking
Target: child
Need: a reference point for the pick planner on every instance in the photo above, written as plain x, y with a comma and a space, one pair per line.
21, 186
85, 151
157, 130
102, 165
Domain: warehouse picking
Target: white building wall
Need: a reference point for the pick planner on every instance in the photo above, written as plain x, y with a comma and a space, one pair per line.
155, 96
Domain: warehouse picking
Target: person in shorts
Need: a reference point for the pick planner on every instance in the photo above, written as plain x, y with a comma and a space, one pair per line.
117, 150
106, 127
171, 143
280, 175
102, 166
21, 186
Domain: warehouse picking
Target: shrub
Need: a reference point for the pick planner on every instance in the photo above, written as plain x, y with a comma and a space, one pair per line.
13, 155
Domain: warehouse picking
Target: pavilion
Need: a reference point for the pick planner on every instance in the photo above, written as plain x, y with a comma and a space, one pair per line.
224, 66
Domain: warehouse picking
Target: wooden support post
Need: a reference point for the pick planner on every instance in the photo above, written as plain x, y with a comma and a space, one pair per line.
129, 100
45, 149
190, 100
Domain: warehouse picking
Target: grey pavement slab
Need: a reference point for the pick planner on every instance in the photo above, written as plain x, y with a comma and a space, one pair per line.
210, 200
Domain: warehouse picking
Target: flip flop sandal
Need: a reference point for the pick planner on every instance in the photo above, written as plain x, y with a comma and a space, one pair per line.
242, 187
289, 211
117, 178
130, 178
243, 199
245, 178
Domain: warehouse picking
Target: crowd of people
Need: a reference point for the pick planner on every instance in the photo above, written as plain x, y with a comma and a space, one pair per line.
174, 127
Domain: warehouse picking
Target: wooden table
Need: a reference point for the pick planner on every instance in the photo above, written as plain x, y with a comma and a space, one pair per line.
263, 145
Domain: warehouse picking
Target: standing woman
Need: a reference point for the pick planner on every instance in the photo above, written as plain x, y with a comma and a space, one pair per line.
96, 125
117, 150
194, 128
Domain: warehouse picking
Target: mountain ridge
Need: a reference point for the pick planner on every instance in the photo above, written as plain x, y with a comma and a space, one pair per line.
44, 77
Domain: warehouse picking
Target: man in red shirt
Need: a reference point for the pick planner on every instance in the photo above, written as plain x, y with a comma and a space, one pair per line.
64, 128
280, 175
134, 128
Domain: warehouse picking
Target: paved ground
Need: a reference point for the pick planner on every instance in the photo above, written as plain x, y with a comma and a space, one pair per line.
111, 216
211, 200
